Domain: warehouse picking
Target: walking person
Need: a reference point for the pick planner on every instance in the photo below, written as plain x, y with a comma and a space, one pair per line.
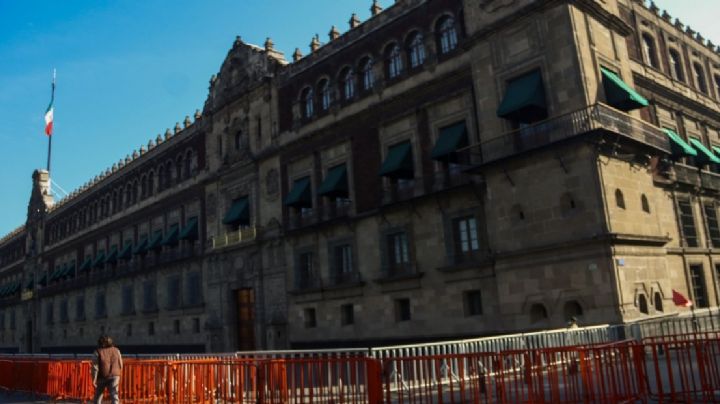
106, 370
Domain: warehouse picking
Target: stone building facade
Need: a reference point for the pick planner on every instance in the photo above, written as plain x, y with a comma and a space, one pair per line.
444, 169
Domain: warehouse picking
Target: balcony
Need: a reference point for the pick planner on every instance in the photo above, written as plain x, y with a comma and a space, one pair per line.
243, 235
399, 191
710, 180
596, 118
304, 217
345, 278
451, 177
307, 283
337, 209
686, 174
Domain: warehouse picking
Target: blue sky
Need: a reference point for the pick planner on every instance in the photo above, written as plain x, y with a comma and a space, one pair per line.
127, 70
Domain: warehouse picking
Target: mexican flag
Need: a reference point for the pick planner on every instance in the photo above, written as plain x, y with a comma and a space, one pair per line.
49, 112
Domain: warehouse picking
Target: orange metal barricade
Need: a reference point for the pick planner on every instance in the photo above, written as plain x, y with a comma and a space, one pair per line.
679, 368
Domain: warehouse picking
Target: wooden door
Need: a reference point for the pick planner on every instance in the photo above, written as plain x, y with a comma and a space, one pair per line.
246, 319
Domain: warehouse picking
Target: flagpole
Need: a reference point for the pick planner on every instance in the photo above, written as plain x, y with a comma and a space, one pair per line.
52, 101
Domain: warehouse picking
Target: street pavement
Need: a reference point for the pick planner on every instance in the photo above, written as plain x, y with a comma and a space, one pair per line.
21, 398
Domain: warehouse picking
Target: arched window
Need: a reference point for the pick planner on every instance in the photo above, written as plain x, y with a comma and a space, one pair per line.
168, 174
179, 175
143, 187
700, 78
572, 309
188, 164
642, 304
645, 204
447, 34
128, 195
648, 46
676, 68
366, 73
538, 313
324, 93
658, 302
306, 99
393, 60
238, 137
619, 199
151, 183
135, 189
416, 50
348, 83
717, 86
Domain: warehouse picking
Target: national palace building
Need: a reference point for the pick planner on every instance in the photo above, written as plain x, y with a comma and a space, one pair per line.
445, 169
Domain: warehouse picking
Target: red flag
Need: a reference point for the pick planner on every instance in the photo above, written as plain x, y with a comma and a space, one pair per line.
680, 300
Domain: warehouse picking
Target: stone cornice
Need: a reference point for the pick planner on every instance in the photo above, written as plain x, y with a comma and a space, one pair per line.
605, 17
666, 93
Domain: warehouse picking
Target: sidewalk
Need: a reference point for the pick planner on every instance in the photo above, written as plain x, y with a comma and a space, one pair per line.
7, 397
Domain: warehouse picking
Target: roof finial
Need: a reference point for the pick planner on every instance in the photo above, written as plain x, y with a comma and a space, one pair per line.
269, 44
354, 21
198, 115
168, 134
187, 121
315, 43
334, 33
376, 8
297, 55
177, 128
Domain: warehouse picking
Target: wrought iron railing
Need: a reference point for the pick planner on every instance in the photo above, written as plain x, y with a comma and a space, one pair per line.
243, 235
598, 117
338, 278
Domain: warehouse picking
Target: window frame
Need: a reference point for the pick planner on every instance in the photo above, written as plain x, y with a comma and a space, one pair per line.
416, 52
393, 61
446, 34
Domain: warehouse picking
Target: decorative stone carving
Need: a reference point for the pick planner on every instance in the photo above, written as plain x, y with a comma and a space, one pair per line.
168, 134
376, 8
297, 55
158, 139
269, 44
187, 121
177, 128
272, 184
334, 33
354, 21
315, 43
198, 114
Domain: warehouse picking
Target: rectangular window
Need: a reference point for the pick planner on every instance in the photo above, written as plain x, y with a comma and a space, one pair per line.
712, 225
176, 327
12, 319
128, 300
347, 314
149, 296
402, 310
80, 308
687, 222
698, 284
398, 252
466, 236
342, 263
48, 313
100, 310
194, 289
473, 303
64, 311
2, 321
196, 325
310, 320
305, 271
128, 330
173, 292
151, 328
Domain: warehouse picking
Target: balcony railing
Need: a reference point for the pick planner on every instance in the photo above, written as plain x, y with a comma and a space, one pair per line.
598, 117
454, 176
305, 218
244, 235
304, 283
399, 191
345, 278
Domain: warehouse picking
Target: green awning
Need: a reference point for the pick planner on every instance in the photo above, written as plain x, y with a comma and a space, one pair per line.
155, 241
4, 289
141, 247
619, 94
300, 195
524, 99
190, 231
171, 238
450, 140
336, 183
14, 287
705, 156
99, 259
716, 149
111, 257
64, 271
43, 280
239, 212
56, 273
126, 251
678, 146
399, 162
70, 271
87, 264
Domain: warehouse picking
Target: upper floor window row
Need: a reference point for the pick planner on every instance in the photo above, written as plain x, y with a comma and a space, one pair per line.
396, 58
